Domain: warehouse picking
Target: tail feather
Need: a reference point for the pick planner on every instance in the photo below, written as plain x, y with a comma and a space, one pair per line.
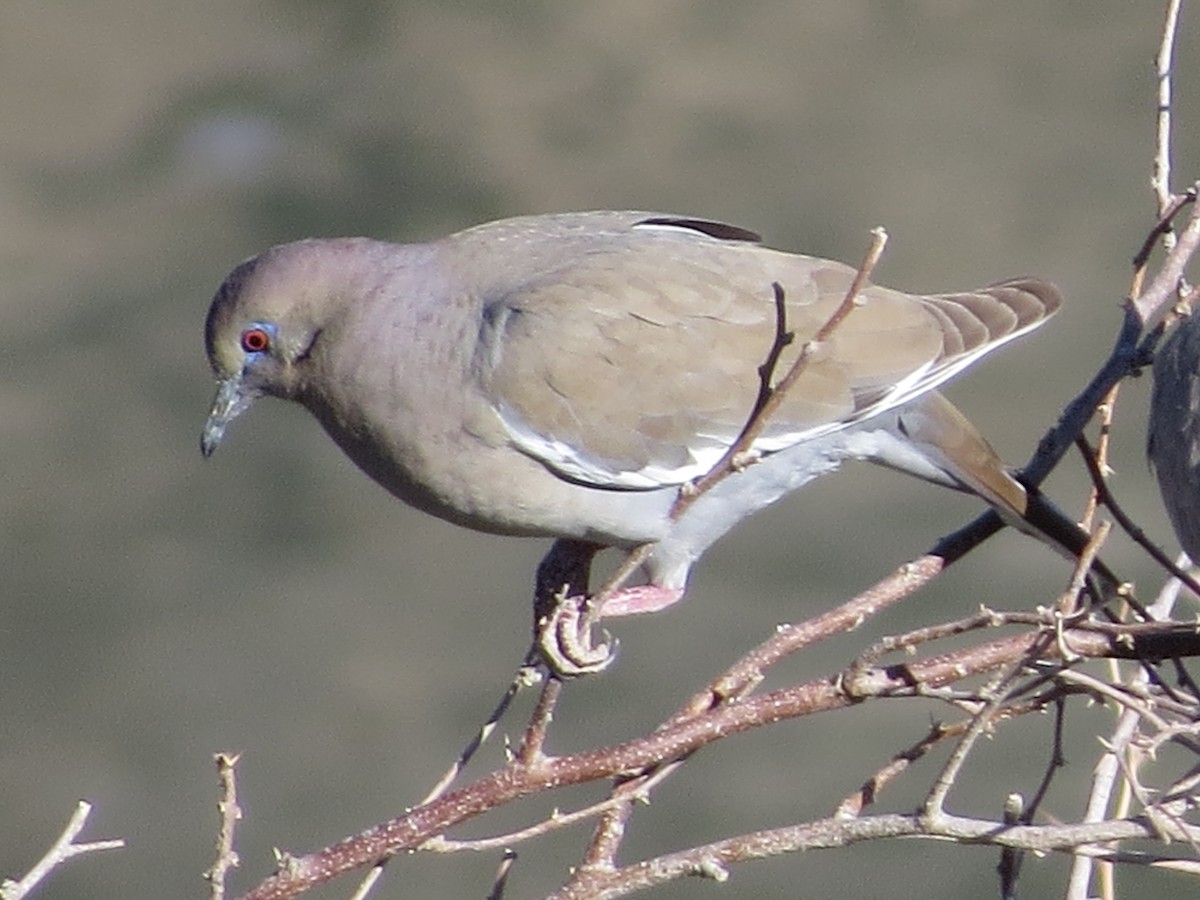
964, 460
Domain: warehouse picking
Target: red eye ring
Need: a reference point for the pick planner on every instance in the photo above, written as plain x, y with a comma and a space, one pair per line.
256, 340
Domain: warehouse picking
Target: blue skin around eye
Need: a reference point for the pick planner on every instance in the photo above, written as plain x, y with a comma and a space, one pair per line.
253, 355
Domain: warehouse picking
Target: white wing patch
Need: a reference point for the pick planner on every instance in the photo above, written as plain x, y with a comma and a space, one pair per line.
702, 456
570, 462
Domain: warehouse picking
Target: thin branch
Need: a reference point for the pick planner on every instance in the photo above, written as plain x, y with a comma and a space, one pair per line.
231, 814
748, 672
1056, 762
526, 676
1106, 771
62, 850
1131, 528
1163, 289
1009, 867
1160, 180
535, 732
935, 802
711, 860
784, 338
1098, 800
555, 821
602, 849
1072, 601
1105, 412
1163, 227
853, 805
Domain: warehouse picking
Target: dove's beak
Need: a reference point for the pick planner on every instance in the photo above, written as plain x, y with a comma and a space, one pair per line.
233, 398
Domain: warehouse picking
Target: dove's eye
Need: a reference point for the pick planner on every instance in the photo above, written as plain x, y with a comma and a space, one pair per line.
256, 340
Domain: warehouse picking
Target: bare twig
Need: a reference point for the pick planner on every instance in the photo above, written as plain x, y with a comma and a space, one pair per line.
1105, 778
62, 850
539, 721
1164, 287
231, 814
855, 803
1160, 180
1164, 226
997, 692
712, 859
1009, 867
783, 339
1104, 492
555, 821
748, 672
526, 676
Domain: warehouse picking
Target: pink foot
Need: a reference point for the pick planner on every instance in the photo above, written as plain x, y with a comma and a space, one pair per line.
564, 635
644, 598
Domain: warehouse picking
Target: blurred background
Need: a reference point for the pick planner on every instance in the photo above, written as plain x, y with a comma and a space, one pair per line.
274, 602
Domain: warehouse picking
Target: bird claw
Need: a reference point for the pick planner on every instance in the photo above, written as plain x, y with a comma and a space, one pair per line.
565, 640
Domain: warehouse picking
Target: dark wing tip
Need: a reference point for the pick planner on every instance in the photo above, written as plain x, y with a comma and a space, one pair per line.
718, 230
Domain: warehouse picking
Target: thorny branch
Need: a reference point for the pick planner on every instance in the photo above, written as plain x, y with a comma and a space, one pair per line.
681, 737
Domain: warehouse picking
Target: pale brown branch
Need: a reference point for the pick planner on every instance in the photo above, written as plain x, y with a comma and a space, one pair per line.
526, 676
1160, 180
1164, 287
555, 821
63, 849
539, 722
231, 814
996, 693
712, 860
748, 672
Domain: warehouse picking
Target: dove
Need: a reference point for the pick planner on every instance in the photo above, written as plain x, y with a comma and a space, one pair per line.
1173, 431
566, 376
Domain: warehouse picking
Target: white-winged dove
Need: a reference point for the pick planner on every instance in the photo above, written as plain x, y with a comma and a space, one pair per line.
566, 375
1173, 443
